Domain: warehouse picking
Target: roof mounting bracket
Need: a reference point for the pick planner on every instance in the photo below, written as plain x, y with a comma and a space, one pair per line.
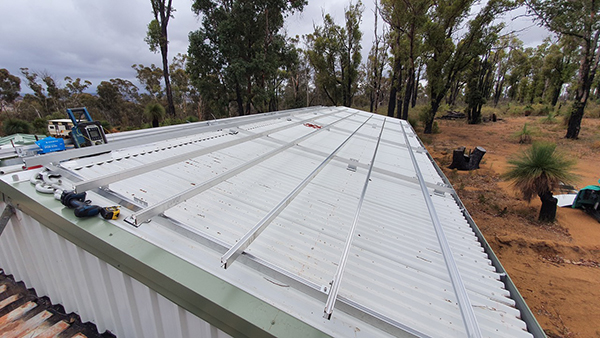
7, 214
352, 165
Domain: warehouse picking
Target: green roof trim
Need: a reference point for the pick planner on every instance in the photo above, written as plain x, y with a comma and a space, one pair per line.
216, 301
20, 139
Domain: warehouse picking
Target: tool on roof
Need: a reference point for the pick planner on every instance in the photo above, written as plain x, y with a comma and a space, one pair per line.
83, 207
85, 132
49, 183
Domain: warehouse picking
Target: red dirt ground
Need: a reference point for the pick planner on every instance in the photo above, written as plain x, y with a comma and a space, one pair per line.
555, 266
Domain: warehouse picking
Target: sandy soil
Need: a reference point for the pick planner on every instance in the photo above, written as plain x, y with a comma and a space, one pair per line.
555, 266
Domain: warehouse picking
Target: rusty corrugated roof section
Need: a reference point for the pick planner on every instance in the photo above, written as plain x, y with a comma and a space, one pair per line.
24, 314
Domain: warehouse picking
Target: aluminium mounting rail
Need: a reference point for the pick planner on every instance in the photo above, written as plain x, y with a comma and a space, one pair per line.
229, 257
145, 214
146, 136
144, 168
465, 305
307, 287
337, 279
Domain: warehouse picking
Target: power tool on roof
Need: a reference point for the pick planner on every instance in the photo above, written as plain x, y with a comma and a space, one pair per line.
84, 209
47, 182
85, 132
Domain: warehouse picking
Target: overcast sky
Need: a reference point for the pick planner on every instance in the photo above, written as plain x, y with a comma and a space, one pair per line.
100, 40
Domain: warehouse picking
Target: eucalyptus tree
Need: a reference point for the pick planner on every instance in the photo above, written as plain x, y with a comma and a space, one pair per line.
504, 49
39, 99
479, 84
448, 59
376, 62
118, 102
534, 90
10, 86
298, 89
184, 94
157, 39
581, 21
149, 77
47, 93
75, 89
238, 52
559, 67
407, 19
334, 53
519, 72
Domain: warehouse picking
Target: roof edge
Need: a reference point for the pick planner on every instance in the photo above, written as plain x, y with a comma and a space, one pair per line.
533, 325
239, 313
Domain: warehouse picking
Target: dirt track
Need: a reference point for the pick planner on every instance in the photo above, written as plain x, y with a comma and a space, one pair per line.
555, 266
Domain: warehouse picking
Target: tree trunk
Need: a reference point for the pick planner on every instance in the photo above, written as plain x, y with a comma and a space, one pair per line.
435, 105
392, 101
587, 71
165, 62
410, 81
239, 100
475, 158
413, 102
459, 159
399, 104
556, 95
498, 91
575, 118
162, 14
548, 209
394, 85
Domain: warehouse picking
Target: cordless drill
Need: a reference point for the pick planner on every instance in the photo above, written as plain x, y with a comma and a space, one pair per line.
83, 207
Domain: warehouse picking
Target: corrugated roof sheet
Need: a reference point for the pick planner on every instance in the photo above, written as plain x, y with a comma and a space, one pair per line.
308, 176
23, 314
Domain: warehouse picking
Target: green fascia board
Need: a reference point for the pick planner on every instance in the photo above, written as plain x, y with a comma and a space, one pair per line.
214, 300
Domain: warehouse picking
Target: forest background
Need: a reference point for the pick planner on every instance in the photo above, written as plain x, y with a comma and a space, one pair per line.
426, 58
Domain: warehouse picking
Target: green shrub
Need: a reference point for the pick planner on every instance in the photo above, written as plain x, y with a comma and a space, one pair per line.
524, 135
550, 118
413, 122
16, 126
40, 126
592, 110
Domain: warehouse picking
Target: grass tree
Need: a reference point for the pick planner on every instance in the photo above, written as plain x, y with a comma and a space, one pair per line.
154, 112
538, 171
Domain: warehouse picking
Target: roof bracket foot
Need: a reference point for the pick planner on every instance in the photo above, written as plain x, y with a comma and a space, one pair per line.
8, 212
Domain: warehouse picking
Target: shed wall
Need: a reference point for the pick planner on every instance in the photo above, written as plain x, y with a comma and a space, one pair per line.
95, 290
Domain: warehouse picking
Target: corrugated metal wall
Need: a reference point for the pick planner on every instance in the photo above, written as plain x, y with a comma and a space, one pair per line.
97, 291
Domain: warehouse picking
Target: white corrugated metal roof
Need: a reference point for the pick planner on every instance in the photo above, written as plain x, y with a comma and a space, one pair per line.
307, 176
